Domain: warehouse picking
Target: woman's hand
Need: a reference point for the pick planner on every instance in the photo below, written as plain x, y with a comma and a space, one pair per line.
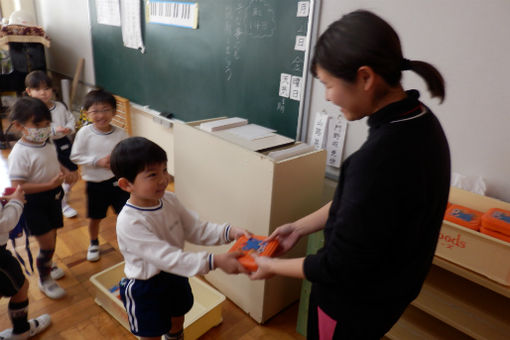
264, 268
228, 262
287, 235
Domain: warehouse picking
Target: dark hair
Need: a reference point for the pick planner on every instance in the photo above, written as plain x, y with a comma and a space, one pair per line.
35, 79
362, 38
99, 96
132, 155
26, 108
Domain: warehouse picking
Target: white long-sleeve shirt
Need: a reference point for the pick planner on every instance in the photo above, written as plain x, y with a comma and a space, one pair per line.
152, 239
90, 145
60, 116
9, 217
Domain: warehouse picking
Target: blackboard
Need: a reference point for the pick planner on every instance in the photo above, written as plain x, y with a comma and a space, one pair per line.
229, 66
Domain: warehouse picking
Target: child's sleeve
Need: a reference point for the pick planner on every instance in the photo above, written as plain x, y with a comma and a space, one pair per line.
10, 214
70, 120
80, 152
201, 232
136, 241
19, 167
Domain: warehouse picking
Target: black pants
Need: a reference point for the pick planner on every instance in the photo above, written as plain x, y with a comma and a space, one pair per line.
360, 321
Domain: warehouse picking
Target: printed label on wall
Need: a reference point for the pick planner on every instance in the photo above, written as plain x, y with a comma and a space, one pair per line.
295, 87
300, 43
285, 85
181, 14
303, 8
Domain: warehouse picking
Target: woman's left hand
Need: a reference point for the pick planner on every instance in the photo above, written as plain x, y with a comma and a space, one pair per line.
264, 268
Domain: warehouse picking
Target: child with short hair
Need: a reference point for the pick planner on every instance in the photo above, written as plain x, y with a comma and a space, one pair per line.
91, 150
33, 165
151, 231
12, 280
39, 85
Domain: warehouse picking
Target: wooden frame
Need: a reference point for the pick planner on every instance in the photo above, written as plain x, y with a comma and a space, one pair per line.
122, 116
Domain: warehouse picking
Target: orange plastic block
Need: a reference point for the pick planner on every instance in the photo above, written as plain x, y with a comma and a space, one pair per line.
495, 234
497, 220
255, 244
463, 216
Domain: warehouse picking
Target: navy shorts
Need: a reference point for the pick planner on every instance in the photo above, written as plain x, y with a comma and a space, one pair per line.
43, 211
11, 275
151, 304
101, 195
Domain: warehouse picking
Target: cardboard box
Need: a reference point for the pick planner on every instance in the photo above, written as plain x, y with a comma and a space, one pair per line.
471, 249
205, 314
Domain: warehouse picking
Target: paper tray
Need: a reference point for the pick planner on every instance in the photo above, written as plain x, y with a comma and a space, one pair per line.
205, 314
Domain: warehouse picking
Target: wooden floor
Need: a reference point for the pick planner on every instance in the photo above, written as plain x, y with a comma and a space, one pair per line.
77, 316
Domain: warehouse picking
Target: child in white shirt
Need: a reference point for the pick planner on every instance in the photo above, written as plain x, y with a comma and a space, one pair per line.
33, 165
91, 150
151, 231
39, 85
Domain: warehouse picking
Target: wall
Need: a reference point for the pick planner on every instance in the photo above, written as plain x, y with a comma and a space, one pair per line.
468, 41
68, 26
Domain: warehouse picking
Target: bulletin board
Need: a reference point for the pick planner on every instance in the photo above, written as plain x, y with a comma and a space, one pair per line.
231, 65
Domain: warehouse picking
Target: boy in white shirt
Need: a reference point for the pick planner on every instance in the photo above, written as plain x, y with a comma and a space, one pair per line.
91, 150
151, 231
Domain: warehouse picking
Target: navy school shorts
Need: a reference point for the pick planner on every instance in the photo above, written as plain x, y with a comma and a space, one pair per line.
151, 304
101, 195
11, 275
43, 211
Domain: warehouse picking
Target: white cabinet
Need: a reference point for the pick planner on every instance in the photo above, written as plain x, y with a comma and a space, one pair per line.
226, 182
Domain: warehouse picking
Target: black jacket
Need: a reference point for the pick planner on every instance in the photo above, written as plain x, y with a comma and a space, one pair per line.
387, 211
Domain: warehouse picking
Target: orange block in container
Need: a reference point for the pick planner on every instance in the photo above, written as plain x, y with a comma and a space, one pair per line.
463, 216
497, 220
495, 234
255, 244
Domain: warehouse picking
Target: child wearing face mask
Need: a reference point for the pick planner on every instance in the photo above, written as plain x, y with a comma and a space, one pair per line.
39, 85
33, 165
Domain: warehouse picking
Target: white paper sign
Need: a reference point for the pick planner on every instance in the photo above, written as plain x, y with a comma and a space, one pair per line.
295, 88
303, 8
319, 130
131, 24
108, 12
300, 43
285, 79
335, 139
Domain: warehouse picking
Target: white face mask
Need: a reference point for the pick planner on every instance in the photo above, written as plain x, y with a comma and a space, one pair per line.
37, 135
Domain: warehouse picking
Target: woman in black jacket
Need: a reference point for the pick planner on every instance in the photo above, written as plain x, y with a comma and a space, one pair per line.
381, 229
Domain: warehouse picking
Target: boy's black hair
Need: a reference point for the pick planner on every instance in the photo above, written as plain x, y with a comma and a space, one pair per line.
26, 108
99, 96
35, 79
132, 155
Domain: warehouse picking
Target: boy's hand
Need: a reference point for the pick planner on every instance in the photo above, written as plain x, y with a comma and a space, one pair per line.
57, 180
228, 262
235, 233
18, 194
62, 130
104, 162
71, 177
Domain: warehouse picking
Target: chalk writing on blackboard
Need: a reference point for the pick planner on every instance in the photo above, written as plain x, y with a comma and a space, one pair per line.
234, 32
260, 19
297, 64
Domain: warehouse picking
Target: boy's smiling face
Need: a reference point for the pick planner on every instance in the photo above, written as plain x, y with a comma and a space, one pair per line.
101, 114
149, 185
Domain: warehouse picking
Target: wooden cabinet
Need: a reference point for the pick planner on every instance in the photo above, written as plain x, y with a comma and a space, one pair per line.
224, 181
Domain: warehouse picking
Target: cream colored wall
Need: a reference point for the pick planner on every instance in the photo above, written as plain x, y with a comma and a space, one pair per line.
143, 125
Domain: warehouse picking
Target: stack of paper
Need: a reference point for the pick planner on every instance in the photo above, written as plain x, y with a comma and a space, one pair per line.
222, 124
252, 132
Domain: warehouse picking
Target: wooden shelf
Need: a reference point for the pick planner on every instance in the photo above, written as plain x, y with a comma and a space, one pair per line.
472, 276
416, 324
472, 309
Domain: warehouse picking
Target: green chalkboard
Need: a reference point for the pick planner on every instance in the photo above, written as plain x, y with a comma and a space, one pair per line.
229, 66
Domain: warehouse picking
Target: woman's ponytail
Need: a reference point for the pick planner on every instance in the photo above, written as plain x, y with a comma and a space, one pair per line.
434, 79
